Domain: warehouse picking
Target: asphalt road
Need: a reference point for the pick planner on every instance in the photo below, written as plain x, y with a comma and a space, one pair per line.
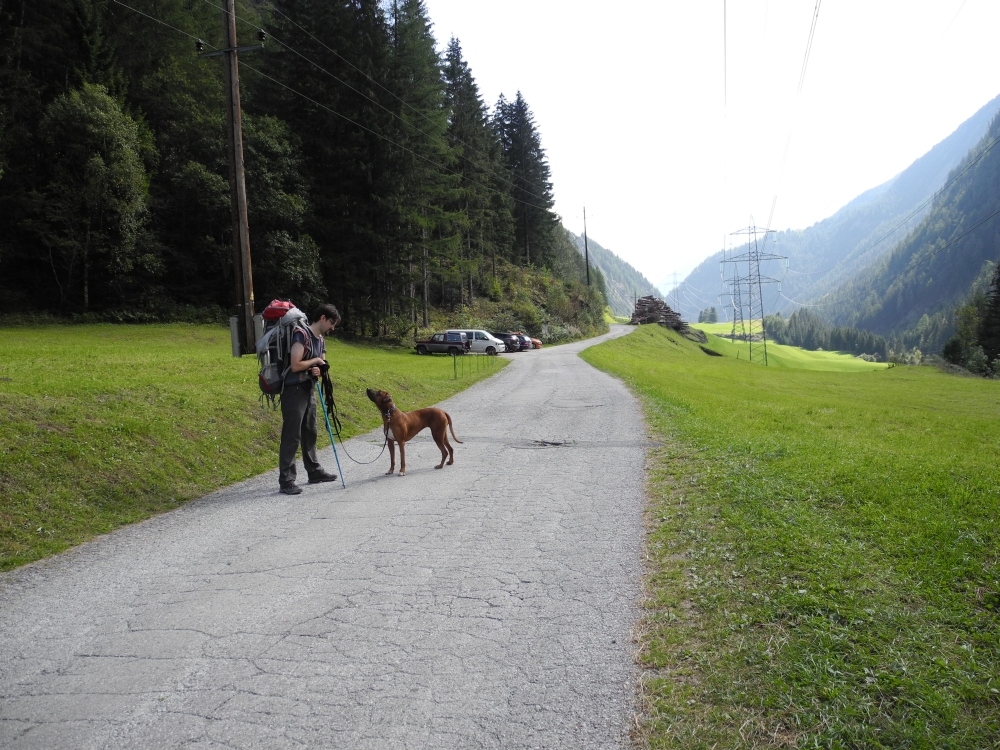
486, 605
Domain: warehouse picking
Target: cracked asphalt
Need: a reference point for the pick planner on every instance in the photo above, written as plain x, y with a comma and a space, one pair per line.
486, 605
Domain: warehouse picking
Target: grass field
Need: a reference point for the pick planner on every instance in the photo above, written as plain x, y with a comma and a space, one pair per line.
782, 356
715, 328
823, 568
106, 425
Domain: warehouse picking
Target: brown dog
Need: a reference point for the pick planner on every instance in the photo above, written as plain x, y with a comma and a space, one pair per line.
400, 426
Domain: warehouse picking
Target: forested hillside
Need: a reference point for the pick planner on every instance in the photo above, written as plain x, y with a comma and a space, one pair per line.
624, 284
833, 250
914, 289
376, 175
807, 330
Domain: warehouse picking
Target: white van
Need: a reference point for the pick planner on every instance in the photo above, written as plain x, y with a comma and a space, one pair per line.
482, 341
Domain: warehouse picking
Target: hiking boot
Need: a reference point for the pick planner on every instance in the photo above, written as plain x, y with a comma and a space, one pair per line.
323, 476
291, 489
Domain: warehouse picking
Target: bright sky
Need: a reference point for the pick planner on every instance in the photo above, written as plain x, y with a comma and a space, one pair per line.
670, 155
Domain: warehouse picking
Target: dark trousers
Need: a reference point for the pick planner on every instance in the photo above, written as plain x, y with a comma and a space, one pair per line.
298, 412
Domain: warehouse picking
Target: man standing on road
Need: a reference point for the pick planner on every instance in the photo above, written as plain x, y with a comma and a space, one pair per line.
298, 401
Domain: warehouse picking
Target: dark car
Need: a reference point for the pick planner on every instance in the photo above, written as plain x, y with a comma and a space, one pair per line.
510, 340
525, 339
447, 343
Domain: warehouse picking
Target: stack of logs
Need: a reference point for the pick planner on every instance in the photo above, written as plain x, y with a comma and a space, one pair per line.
652, 310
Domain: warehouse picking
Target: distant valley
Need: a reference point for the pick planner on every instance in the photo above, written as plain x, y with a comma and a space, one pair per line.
879, 263
624, 283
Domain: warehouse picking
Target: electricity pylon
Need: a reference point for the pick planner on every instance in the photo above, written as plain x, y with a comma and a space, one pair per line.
747, 291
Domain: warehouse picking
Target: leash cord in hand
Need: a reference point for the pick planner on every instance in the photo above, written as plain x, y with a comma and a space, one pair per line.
331, 408
326, 417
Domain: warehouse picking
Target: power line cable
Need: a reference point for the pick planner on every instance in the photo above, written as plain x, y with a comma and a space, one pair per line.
691, 286
798, 93
385, 138
693, 299
913, 213
327, 72
913, 264
157, 20
338, 114
805, 304
953, 19
809, 44
693, 292
700, 304
374, 81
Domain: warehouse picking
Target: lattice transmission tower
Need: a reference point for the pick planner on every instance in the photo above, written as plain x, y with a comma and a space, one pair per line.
746, 292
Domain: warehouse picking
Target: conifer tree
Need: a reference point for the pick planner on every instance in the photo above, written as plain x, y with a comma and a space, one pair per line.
344, 67
381, 171
481, 202
531, 189
989, 324
424, 240
47, 49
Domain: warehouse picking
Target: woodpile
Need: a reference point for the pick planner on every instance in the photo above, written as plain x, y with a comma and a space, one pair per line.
653, 310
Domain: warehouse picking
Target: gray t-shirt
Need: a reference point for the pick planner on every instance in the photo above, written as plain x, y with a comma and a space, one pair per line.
314, 345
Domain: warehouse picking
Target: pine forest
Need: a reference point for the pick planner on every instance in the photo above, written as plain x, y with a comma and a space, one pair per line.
377, 177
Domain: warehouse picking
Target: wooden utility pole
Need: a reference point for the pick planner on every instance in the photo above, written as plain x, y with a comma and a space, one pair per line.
586, 249
243, 276
245, 339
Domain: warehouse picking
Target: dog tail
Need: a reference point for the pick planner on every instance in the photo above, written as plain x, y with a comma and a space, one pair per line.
452, 428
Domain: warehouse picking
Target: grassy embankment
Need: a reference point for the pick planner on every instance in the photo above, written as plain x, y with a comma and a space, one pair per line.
822, 552
104, 425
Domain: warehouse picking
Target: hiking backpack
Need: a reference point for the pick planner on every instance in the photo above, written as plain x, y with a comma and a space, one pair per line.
281, 319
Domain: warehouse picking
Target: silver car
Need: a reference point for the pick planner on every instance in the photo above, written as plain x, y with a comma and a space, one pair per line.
482, 341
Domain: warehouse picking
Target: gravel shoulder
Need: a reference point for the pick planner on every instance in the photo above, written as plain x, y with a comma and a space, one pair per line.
485, 605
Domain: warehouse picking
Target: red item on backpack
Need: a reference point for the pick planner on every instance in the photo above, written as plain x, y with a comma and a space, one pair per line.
276, 310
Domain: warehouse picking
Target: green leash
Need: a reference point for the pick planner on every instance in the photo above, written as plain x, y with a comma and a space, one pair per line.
329, 429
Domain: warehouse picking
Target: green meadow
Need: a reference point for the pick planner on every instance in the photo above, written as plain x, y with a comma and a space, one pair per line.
822, 559
105, 425
779, 355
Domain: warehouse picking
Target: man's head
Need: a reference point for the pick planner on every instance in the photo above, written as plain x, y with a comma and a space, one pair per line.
327, 317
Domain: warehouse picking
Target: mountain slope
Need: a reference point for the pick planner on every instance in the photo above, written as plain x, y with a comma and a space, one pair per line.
935, 265
624, 283
832, 251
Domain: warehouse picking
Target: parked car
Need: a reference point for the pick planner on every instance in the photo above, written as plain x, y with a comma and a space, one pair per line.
482, 342
525, 339
512, 342
452, 342
537, 343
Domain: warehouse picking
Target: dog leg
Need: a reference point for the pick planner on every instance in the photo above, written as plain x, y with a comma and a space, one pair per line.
392, 456
402, 459
440, 435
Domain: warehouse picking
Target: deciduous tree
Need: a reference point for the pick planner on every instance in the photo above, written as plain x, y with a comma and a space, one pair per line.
89, 215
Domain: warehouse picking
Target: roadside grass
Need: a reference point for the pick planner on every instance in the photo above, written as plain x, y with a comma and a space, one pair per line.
779, 355
823, 568
104, 425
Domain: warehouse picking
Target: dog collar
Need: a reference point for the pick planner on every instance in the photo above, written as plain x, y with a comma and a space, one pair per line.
388, 412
